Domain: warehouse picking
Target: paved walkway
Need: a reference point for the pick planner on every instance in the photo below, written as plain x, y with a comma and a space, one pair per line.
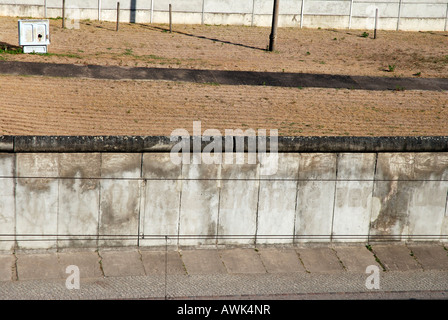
336, 272
223, 77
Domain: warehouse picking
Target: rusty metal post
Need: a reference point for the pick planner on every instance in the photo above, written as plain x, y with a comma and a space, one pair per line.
118, 15
376, 23
171, 19
63, 14
273, 36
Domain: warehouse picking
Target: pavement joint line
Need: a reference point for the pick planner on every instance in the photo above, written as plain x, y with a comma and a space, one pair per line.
339, 259
222, 261
14, 271
369, 247
301, 261
411, 253
183, 263
100, 262
261, 260
141, 260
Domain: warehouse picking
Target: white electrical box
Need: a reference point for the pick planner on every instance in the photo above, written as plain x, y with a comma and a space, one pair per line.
34, 35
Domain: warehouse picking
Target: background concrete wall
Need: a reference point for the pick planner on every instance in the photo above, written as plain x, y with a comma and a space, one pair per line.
69, 200
394, 14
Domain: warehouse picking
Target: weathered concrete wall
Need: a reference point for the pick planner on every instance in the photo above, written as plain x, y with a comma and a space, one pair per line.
102, 199
394, 15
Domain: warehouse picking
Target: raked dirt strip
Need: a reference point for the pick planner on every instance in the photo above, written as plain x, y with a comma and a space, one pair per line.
33, 105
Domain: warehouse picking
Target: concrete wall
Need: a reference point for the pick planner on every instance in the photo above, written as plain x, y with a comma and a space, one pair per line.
102, 199
412, 15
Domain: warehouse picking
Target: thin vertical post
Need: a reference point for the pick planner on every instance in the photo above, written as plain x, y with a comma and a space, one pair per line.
350, 16
301, 13
399, 15
63, 14
203, 10
99, 10
273, 36
171, 18
446, 18
118, 15
253, 13
45, 8
152, 11
376, 23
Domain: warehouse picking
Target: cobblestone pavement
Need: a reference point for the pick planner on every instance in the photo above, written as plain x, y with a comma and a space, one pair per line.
341, 272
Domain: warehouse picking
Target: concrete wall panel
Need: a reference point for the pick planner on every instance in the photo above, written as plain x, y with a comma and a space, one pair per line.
178, 5
321, 7
37, 199
199, 204
162, 199
120, 199
7, 202
238, 210
351, 220
315, 197
277, 199
112, 198
119, 212
228, 6
78, 220
36, 212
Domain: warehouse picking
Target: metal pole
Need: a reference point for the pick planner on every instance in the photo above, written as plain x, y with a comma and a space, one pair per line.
118, 15
301, 14
45, 8
273, 36
171, 19
376, 23
63, 14
351, 14
399, 15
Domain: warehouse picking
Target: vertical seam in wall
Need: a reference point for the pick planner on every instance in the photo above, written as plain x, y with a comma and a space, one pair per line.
350, 15
373, 193
141, 188
15, 272
258, 204
99, 201
334, 197
295, 205
219, 203
57, 206
180, 201
14, 174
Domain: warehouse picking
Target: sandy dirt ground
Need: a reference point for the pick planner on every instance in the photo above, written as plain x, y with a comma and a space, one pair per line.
64, 106
241, 48
35, 105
